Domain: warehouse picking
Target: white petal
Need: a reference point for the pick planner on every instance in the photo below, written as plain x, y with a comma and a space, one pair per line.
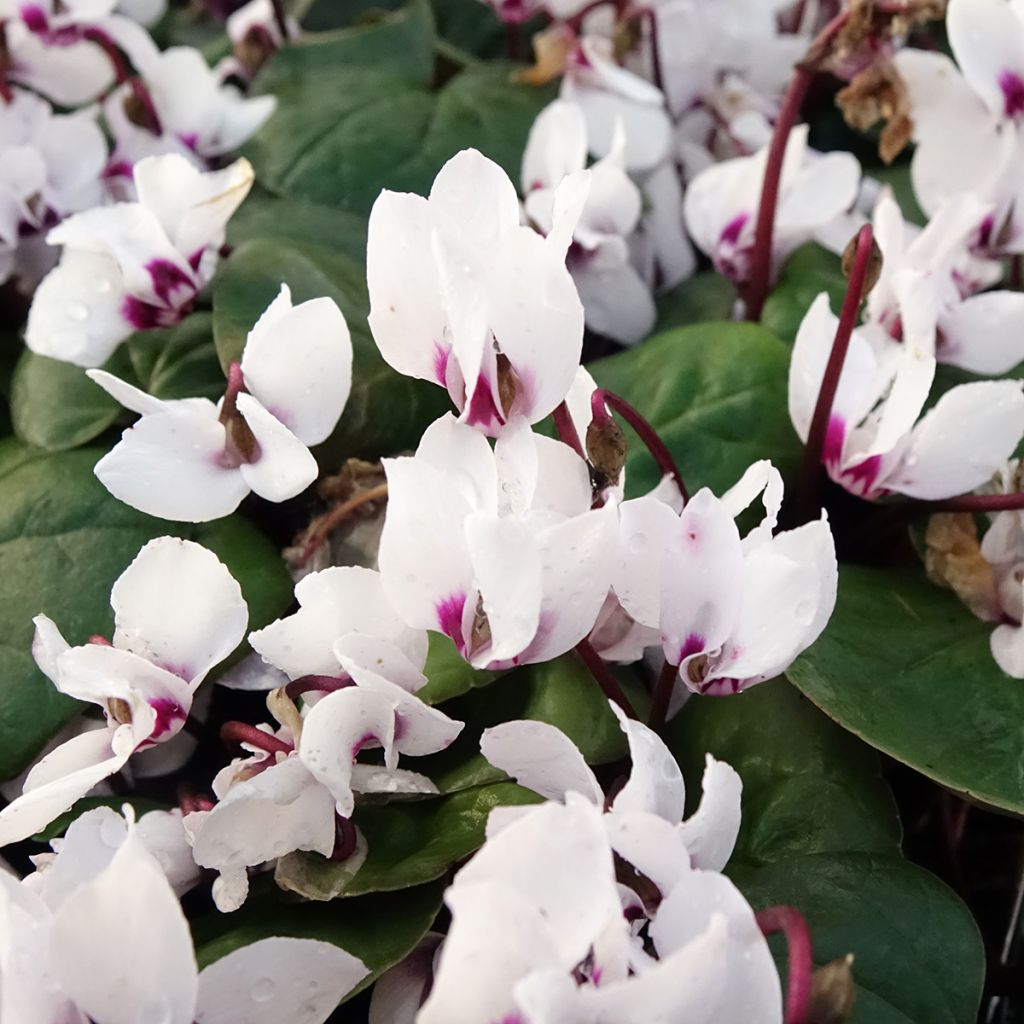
398, 992
655, 783
616, 301
285, 466
336, 729
128, 395
987, 38
645, 528
709, 834
542, 758
985, 333
475, 195
555, 147
47, 646
961, 443
97, 925
297, 363
652, 845
179, 607
170, 466
64, 776
300, 981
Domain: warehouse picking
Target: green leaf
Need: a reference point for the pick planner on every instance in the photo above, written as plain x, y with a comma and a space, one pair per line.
560, 692
63, 542
716, 393
808, 272
704, 297
448, 673
356, 113
905, 666
820, 833
380, 930
407, 843
897, 177
178, 362
386, 412
55, 406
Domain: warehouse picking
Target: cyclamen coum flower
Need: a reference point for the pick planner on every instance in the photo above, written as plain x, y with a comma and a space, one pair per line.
134, 266
191, 460
177, 613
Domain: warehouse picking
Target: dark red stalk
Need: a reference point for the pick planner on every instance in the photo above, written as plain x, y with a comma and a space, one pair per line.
241, 732
346, 841
662, 696
792, 924
603, 675
976, 503
567, 430
647, 433
280, 19
236, 386
316, 684
855, 289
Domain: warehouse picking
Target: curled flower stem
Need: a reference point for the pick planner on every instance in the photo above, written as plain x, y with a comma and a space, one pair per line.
242, 732
662, 456
662, 696
316, 684
976, 503
603, 675
336, 516
567, 432
346, 841
793, 925
813, 452
123, 75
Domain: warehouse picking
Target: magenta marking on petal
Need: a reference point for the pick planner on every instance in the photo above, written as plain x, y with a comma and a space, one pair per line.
835, 435
169, 715
195, 259
441, 355
364, 741
167, 278
860, 479
731, 232
189, 140
34, 17
1013, 93
144, 316
720, 687
449, 618
118, 169
482, 410
693, 644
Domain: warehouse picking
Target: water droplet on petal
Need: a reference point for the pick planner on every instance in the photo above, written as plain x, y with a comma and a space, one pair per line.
78, 312
263, 990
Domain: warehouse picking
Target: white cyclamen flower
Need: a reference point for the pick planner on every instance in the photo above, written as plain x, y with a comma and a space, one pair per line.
116, 948
191, 460
134, 266
177, 613
877, 441
498, 549
721, 203
616, 300
463, 295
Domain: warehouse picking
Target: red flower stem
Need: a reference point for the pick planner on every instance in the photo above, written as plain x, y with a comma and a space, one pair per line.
567, 430
236, 387
793, 925
603, 675
815, 447
648, 15
316, 684
662, 456
241, 732
662, 696
99, 640
122, 75
756, 290
975, 503
346, 841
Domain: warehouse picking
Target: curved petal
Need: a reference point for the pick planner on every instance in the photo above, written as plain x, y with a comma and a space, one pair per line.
987, 38
542, 758
646, 526
61, 778
297, 362
709, 834
616, 300
47, 646
336, 729
96, 925
399, 991
300, 981
655, 783
170, 465
475, 196
555, 147
284, 467
178, 606
651, 845
971, 432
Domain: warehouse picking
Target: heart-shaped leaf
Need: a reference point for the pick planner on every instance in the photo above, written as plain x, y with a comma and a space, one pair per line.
808, 272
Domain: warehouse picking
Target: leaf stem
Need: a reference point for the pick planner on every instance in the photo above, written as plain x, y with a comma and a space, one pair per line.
813, 452
662, 456
793, 925
603, 675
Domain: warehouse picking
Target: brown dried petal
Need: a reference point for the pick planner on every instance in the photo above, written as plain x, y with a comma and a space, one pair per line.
551, 49
953, 559
878, 93
606, 449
